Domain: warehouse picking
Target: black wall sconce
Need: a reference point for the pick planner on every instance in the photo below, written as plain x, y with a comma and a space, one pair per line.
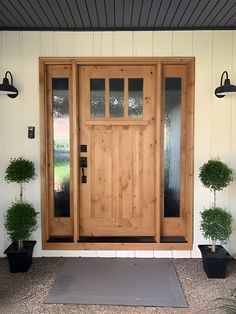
8, 88
227, 88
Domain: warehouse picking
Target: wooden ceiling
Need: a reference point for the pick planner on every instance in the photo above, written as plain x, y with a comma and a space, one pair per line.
93, 15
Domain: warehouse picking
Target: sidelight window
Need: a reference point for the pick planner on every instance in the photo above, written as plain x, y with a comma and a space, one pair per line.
172, 146
61, 147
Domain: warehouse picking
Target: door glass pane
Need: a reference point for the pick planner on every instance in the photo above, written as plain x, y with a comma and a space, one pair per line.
97, 97
116, 97
135, 102
61, 151
172, 137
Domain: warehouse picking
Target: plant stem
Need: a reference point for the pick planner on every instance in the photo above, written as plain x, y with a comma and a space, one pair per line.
214, 198
213, 246
20, 244
21, 192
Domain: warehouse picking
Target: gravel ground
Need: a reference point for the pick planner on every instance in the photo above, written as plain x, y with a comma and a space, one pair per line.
25, 292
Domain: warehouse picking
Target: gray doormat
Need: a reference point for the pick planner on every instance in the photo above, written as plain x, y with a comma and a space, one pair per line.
124, 281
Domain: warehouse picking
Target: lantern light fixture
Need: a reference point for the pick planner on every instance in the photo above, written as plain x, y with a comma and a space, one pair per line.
225, 89
8, 88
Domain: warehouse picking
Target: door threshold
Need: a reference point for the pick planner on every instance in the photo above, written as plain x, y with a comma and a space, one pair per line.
60, 239
117, 239
173, 239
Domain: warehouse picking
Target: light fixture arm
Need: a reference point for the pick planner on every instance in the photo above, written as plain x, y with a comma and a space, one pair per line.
8, 72
222, 75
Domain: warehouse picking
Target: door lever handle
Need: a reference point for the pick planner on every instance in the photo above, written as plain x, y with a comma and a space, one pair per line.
83, 164
82, 171
84, 177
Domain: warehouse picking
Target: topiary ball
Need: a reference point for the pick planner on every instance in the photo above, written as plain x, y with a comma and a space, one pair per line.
20, 170
215, 174
216, 224
21, 221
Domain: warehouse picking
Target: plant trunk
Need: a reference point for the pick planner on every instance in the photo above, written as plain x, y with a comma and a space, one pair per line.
21, 192
214, 203
20, 244
213, 246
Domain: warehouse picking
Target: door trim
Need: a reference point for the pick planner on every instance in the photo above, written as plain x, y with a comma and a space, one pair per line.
75, 63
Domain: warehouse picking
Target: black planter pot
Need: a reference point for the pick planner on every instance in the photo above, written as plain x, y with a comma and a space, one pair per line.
20, 260
214, 264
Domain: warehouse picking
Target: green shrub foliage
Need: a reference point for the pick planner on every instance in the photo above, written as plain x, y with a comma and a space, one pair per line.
21, 221
215, 175
216, 224
20, 170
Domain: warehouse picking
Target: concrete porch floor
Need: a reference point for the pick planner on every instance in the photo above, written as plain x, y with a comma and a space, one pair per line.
25, 292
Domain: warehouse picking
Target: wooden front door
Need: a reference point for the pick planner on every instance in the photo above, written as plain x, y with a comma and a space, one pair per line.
116, 129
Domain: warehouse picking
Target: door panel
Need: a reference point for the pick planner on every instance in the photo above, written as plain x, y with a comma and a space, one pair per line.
118, 198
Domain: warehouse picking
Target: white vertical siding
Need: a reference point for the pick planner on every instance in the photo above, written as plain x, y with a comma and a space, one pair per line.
232, 188
107, 44
123, 44
2, 183
97, 44
46, 44
103, 44
215, 119
163, 44
83, 44
30, 95
30, 112
202, 50
11, 115
64, 44
183, 44
221, 113
221, 120
12, 61
142, 45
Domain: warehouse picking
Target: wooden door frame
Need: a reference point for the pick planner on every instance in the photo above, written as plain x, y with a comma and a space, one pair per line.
75, 63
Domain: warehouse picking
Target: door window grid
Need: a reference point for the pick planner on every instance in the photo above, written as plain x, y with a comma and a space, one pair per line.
97, 97
117, 98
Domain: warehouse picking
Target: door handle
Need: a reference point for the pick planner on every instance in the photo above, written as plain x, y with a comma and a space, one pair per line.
83, 165
84, 177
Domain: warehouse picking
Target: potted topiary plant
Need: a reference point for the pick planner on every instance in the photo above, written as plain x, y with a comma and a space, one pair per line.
21, 217
216, 222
